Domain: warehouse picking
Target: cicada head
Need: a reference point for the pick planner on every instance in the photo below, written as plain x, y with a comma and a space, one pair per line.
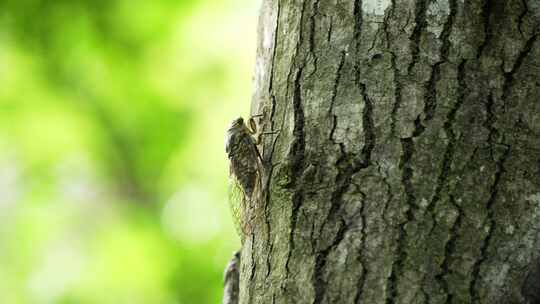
236, 128
238, 123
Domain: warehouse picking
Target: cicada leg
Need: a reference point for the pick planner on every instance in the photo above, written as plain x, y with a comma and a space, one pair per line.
252, 127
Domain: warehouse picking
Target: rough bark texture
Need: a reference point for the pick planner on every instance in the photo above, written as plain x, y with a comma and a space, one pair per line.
406, 168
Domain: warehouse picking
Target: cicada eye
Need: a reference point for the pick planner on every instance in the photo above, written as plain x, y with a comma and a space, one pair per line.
239, 121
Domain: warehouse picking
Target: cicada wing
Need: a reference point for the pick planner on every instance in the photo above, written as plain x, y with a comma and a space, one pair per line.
237, 198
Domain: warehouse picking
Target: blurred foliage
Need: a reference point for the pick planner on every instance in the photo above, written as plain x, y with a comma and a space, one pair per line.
112, 170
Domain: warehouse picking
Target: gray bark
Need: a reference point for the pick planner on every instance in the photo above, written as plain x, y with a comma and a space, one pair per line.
406, 166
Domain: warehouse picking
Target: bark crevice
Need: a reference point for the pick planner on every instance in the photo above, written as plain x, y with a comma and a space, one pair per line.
297, 160
491, 225
298, 146
510, 76
319, 284
420, 24
449, 249
334, 95
368, 128
407, 145
448, 127
487, 10
361, 258
397, 95
522, 16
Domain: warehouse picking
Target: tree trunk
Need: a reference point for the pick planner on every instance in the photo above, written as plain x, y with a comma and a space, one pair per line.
406, 163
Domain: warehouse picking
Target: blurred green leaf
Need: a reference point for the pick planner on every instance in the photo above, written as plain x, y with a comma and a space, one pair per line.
112, 170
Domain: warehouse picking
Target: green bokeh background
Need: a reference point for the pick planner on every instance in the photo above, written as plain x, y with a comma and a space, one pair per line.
113, 177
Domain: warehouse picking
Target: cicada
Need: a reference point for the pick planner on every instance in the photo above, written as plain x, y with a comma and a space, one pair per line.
245, 173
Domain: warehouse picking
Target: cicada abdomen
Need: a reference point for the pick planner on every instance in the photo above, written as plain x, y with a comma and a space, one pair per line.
245, 168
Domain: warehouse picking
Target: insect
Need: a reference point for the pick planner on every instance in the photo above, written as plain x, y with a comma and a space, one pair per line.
245, 172
232, 280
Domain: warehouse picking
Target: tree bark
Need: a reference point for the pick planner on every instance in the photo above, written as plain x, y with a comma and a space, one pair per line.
406, 163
